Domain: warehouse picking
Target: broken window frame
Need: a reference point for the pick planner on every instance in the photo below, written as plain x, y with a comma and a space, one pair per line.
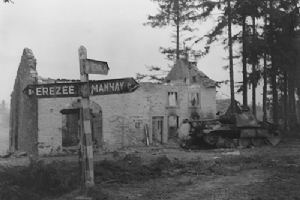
194, 79
194, 96
173, 102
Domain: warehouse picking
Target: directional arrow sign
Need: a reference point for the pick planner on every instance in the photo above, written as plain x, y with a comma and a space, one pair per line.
53, 90
113, 86
95, 67
102, 87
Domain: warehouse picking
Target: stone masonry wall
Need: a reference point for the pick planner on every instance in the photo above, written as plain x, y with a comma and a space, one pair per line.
208, 102
23, 114
50, 123
124, 115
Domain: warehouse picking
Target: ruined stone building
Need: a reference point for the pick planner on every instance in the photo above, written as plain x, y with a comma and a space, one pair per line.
49, 125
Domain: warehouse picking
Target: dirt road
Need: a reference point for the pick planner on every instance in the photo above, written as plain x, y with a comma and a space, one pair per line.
151, 173
256, 174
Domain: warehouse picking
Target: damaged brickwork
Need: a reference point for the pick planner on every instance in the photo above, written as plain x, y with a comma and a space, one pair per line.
23, 113
51, 125
124, 116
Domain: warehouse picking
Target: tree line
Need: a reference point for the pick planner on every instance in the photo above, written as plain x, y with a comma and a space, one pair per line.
265, 33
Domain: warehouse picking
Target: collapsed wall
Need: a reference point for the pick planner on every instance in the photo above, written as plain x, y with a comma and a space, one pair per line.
23, 113
119, 119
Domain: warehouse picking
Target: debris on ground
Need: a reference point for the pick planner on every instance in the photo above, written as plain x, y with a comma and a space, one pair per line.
7, 155
20, 154
232, 153
17, 154
245, 174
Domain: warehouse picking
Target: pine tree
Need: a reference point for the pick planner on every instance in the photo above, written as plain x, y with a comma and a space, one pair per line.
176, 13
231, 76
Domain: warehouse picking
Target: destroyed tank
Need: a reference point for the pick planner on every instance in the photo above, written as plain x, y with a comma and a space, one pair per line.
237, 127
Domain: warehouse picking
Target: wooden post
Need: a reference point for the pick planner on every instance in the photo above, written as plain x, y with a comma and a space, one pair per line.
86, 143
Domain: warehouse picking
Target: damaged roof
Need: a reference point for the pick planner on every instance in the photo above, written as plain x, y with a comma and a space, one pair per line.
184, 70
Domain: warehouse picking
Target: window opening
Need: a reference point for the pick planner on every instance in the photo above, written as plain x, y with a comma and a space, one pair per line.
194, 99
172, 97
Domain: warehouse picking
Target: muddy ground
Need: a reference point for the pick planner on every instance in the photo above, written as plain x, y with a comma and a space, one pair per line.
265, 173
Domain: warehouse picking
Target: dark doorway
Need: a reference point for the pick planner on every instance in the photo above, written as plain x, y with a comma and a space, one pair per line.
71, 125
173, 126
157, 129
70, 128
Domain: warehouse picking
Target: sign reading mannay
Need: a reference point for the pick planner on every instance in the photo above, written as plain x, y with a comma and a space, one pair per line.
103, 87
113, 86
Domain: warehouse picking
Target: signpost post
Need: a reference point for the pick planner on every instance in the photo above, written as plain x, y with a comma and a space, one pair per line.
86, 136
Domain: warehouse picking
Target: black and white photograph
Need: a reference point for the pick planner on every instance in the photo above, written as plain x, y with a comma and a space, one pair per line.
150, 100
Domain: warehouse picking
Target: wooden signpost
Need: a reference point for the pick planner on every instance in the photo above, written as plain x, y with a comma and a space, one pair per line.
85, 89
86, 136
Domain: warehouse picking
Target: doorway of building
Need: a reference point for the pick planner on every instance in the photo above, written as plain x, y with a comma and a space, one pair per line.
173, 122
71, 125
70, 128
157, 129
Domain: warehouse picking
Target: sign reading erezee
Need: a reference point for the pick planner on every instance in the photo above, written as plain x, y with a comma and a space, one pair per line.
53, 90
103, 87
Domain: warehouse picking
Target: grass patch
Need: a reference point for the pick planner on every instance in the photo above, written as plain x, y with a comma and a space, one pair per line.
129, 169
37, 180
228, 165
40, 180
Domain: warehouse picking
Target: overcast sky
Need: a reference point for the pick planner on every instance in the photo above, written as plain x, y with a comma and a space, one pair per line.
111, 30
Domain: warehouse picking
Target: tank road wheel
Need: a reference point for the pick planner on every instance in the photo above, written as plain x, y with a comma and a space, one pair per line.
225, 143
211, 139
245, 142
229, 143
257, 142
